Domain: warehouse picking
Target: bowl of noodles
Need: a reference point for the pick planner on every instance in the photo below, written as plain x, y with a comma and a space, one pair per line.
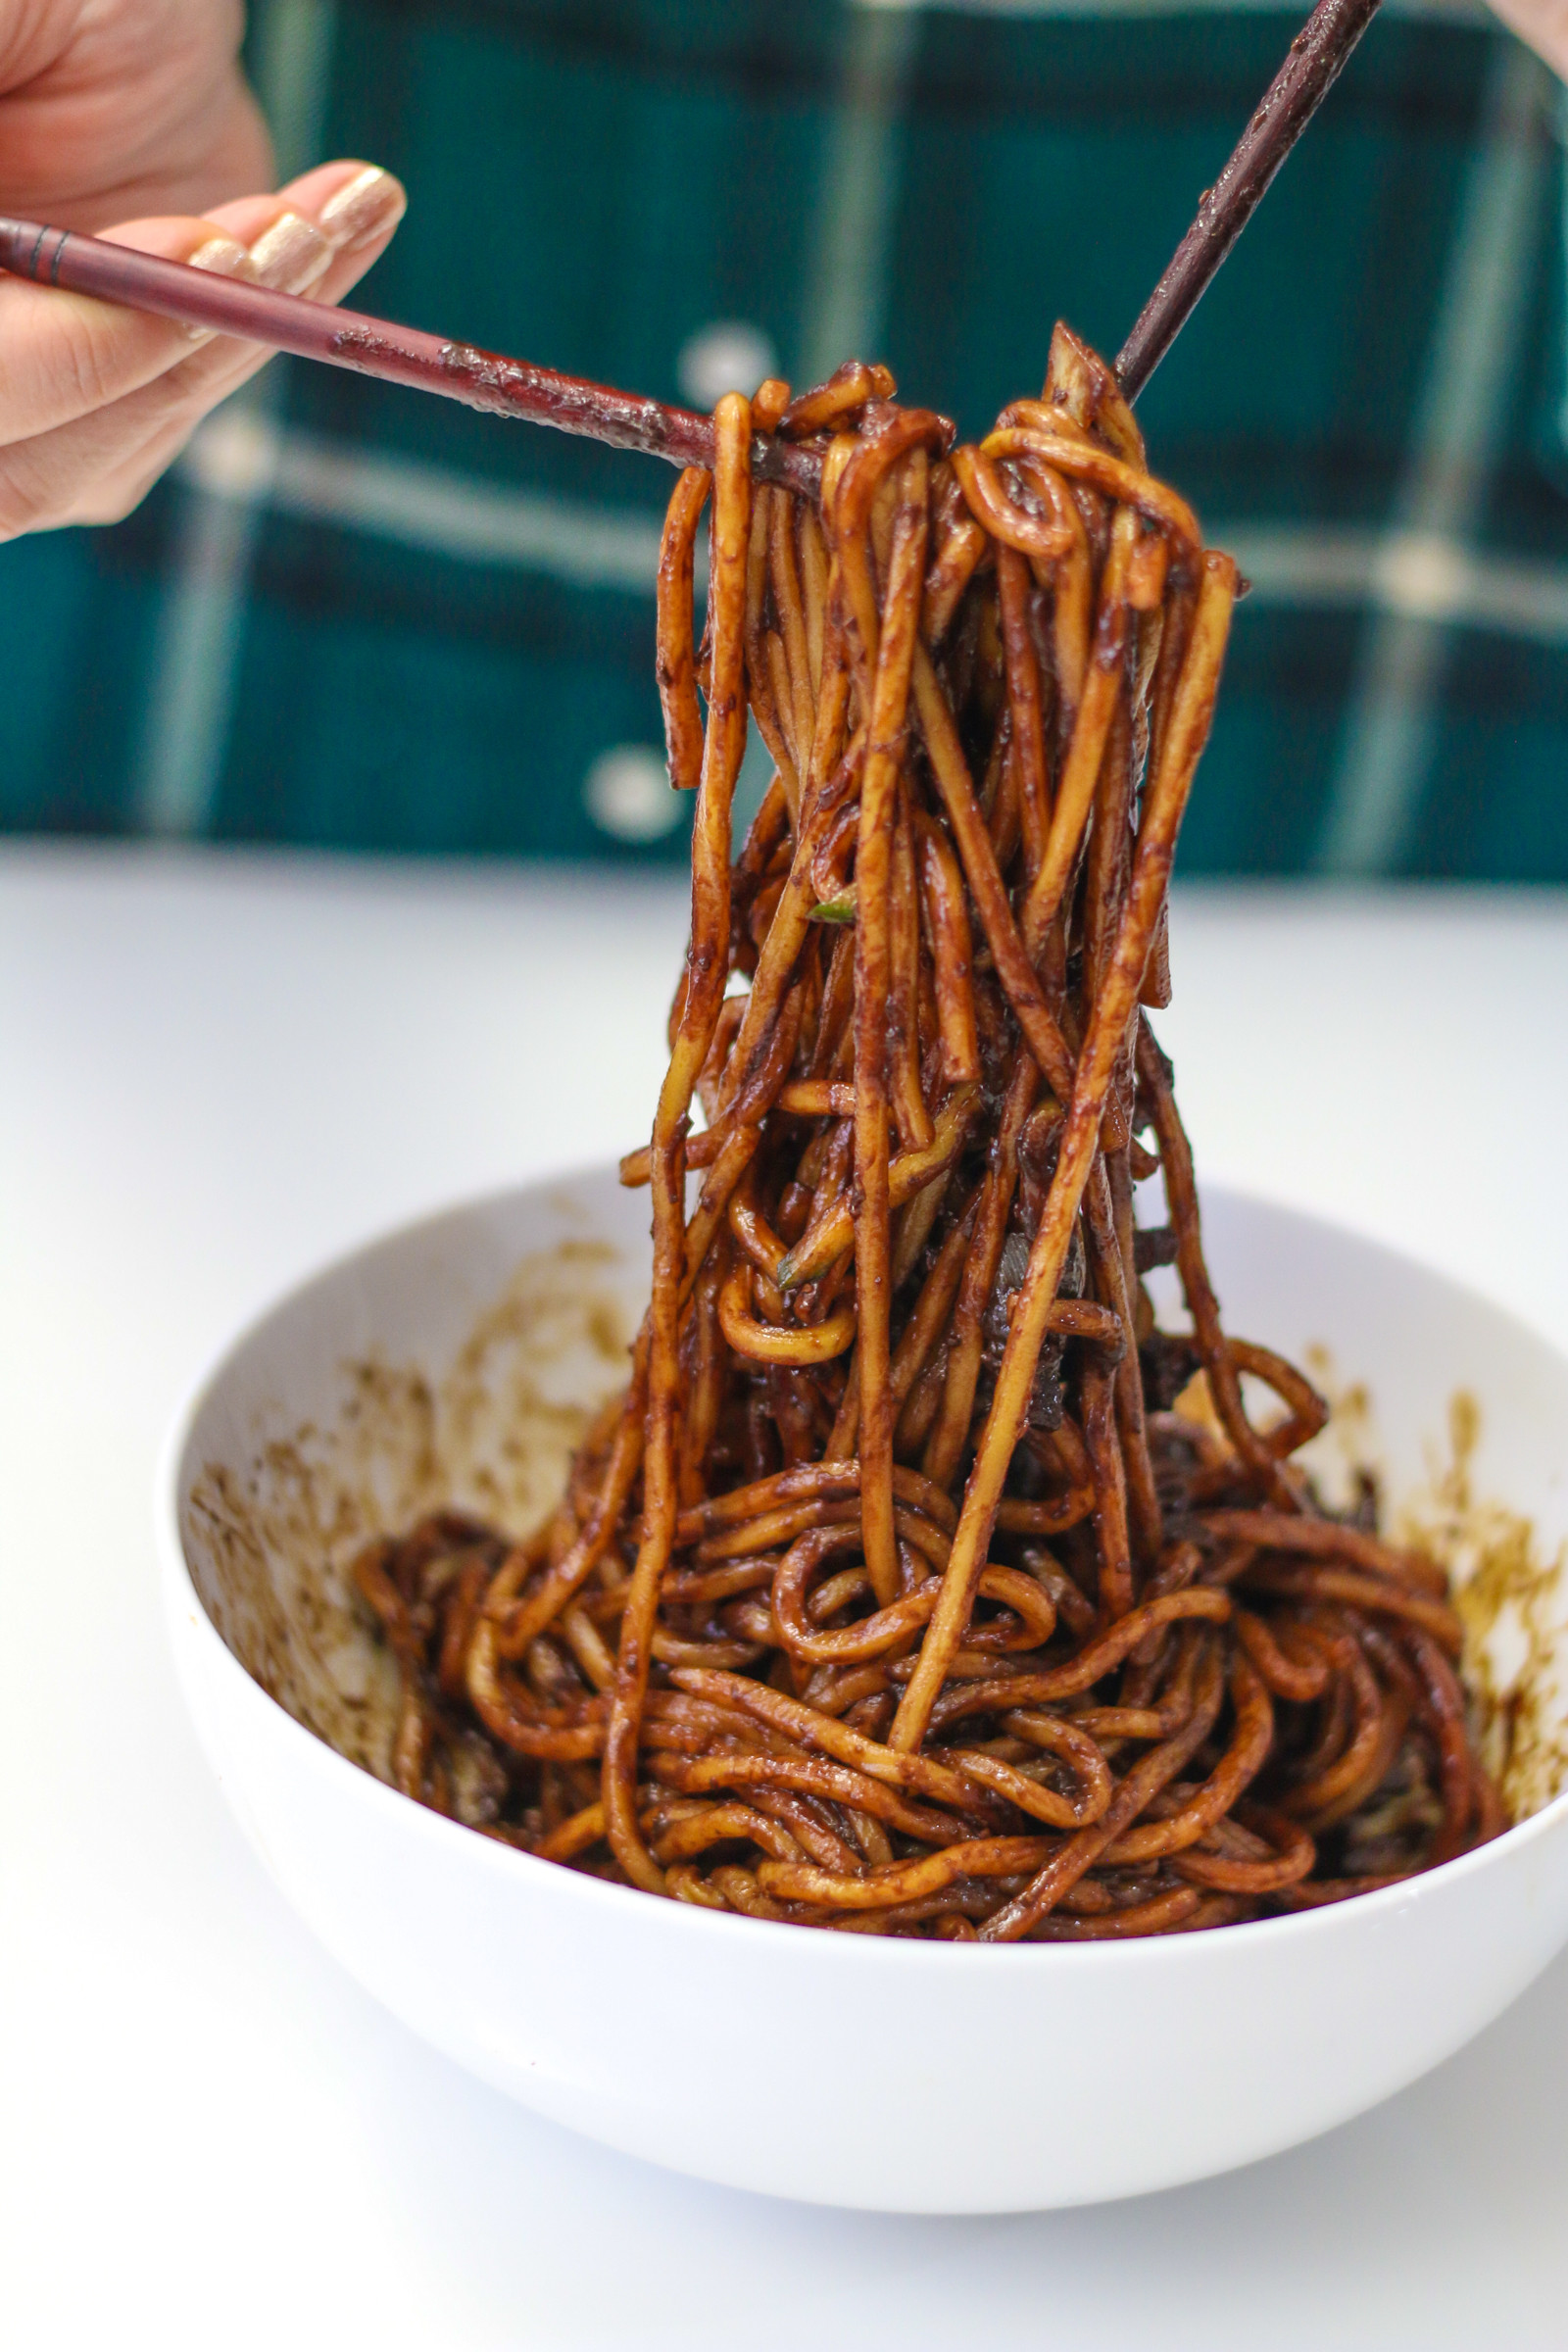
455, 1367
850, 1675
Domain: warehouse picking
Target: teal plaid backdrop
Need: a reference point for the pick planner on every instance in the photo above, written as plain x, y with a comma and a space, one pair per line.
358, 618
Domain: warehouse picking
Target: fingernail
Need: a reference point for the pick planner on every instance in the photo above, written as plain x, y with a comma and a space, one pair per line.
366, 209
226, 258
291, 255
225, 255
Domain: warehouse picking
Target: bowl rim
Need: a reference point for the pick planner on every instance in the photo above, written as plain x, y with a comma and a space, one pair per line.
183, 1600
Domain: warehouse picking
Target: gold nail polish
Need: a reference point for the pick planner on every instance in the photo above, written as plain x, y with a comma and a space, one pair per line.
364, 209
225, 257
292, 256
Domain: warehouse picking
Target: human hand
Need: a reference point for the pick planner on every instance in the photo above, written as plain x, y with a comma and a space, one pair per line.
1542, 23
130, 118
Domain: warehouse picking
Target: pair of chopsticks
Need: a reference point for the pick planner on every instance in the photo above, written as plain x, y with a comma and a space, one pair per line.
482, 379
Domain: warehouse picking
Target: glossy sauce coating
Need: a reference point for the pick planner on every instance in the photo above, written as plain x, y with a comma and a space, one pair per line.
893, 1595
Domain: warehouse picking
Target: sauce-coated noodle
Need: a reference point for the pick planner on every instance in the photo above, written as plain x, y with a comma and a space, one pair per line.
895, 1596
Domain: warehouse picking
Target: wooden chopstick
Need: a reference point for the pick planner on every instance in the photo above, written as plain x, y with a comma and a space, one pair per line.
1316, 56
396, 355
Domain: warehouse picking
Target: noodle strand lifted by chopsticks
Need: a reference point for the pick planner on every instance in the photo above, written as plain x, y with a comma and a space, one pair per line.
919, 1584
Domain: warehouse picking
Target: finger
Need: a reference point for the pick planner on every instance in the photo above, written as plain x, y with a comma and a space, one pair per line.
343, 218
116, 460
98, 466
68, 355
356, 207
357, 204
66, 477
1543, 23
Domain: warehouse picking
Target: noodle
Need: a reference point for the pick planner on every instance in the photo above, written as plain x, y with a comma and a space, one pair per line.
920, 1584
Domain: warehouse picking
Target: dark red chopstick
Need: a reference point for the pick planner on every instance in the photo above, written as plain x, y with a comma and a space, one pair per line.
1317, 57
397, 354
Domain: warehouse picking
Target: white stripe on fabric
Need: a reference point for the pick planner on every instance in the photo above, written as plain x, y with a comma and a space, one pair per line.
1391, 726
1421, 575
201, 629
857, 196
241, 460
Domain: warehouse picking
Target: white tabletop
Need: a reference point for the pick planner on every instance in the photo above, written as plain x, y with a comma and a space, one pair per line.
214, 1074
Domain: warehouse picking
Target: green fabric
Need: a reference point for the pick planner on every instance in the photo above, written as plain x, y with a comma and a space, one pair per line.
591, 185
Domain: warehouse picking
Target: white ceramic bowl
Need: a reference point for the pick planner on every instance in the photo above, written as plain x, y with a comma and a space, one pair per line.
841, 2069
